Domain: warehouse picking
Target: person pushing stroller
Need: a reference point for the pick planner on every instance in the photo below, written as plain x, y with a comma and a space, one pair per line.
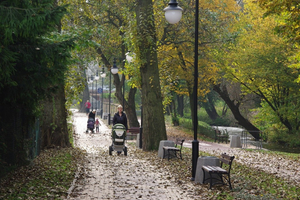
91, 121
118, 144
120, 117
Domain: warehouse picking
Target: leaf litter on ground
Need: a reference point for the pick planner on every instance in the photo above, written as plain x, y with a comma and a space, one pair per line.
51, 174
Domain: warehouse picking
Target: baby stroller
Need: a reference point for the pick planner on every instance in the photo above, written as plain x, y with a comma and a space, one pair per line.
118, 139
90, 125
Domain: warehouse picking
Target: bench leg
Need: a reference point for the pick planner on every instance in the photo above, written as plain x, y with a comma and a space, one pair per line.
164, 155
203, 176
210, 180
229, 182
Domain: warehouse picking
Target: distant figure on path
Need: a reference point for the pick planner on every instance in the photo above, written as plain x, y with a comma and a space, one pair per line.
97, 123
87, 106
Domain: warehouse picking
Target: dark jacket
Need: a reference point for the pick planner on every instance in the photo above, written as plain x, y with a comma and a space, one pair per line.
120, 119
92, 115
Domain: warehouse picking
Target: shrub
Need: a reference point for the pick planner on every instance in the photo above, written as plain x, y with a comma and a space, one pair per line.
284, 138
203, 127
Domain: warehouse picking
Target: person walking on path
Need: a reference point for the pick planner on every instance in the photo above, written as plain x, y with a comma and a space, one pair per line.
92, 115
87, 106
120, 117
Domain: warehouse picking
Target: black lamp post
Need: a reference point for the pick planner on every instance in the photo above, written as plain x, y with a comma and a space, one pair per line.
108, 116
92, 92
173, 15
114, 70
123, 92
103, 75
96, 78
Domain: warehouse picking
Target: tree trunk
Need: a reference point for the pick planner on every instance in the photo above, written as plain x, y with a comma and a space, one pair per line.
129, 106
210, 108
54, 129
234, 107
154, 129
86, 95
180, 105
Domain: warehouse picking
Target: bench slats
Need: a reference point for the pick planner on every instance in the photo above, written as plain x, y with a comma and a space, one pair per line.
215, 169
171, 148
168, 149
225, 159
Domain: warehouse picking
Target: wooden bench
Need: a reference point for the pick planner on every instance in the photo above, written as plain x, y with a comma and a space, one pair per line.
221, 137
172, 151
133, 131
219, 171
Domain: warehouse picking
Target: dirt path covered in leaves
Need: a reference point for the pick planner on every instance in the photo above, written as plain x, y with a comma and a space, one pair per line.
118, 177
143, 176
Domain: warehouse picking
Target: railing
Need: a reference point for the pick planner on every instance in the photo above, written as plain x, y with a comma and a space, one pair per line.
247, 139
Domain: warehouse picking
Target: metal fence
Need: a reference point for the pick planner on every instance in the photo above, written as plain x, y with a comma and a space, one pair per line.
247, 139
19, 136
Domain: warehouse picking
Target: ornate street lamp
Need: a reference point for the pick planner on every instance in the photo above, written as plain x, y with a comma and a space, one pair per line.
103, 75
173, 14
114, 70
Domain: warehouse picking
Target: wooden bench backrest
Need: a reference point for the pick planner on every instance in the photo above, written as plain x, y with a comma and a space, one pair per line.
226, 159
134, 130
217, 132
178, 141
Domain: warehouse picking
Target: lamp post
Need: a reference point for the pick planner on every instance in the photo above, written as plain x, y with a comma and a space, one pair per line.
103, 75
114, 70
92, 91
96, 78
173, 15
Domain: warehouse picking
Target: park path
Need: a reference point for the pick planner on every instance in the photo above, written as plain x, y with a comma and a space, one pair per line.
130, 177
118, 177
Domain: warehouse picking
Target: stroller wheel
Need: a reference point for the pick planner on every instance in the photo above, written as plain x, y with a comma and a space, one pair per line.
110, 150
125, 151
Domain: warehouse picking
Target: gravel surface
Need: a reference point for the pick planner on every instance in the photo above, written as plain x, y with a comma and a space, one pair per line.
118, 177
133, 177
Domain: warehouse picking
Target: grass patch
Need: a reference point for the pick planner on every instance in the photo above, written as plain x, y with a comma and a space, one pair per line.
49, 177
291, 156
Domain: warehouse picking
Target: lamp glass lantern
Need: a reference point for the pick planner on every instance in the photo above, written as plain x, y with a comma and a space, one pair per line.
173, 12
130, 56
114, 69
97, 76
103, 74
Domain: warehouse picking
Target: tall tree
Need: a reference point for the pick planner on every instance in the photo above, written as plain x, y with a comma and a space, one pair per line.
288, 27
259, 62
177, 45
154, 129
101, 24
32, 63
